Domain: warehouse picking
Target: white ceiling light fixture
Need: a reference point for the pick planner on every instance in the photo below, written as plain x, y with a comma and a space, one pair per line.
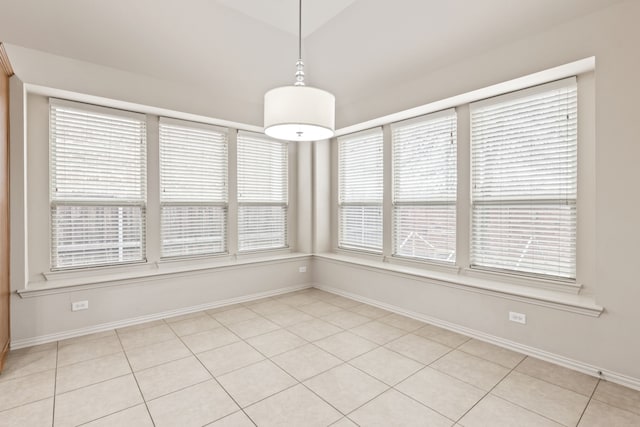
299, 112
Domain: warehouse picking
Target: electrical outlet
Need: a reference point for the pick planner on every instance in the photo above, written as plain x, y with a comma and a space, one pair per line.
302, 269
517, 317
79, 305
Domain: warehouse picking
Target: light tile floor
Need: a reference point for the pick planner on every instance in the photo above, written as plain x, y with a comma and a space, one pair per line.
307, 358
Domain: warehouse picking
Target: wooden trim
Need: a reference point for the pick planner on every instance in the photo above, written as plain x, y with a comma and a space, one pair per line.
3, 355
5, 65
5, 296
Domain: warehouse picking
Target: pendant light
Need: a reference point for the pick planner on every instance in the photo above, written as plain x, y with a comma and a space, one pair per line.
299, 112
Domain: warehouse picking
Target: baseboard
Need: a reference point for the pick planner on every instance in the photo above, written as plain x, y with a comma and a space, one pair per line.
566, 362
43, 339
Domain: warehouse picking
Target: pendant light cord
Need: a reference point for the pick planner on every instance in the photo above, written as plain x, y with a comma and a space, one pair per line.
300, 30
299, 63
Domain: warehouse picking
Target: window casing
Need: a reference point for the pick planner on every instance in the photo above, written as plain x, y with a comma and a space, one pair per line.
193, 189
424, 187
360, 191
97, 185
524, 181
263, 197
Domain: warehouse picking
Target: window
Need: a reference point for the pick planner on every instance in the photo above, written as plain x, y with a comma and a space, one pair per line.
360, 182
98, 185
262, 192
193, 188
524, 179
424, 187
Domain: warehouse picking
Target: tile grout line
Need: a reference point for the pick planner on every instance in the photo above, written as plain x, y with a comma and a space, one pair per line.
377, 319
558, 385
26, 403
176, 390
213, 376
286, 328
345, 418
392, 387
525, 408
422, 369
92, 359
95, 383
615, 404
446, 374
211, 423
55, 385
55, 369
547, 382
298, 382
349, 364
489, 391
136, 379
109, 414
16, 352
421, 403
513, 403
160, 364
511, 370
506, 375
588, 402
472, 355
342, 362
86, 342
319, 373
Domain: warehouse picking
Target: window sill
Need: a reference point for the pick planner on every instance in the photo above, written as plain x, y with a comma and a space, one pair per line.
533, 294
428, 265
71, 281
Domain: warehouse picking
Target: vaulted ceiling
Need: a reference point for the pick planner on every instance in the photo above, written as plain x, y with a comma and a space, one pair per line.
238, 49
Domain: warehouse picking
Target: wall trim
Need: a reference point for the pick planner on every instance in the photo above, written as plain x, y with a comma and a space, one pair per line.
557, 359
5, 65
135, 106
143, 273
545, 76
564, 301
43, 339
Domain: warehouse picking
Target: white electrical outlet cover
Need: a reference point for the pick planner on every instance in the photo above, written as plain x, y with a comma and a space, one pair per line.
79, 305
517, 317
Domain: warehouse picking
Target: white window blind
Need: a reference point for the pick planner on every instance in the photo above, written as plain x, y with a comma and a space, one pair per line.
98, 185
524, 173
360, 181
262, 192
193, 188
424, 187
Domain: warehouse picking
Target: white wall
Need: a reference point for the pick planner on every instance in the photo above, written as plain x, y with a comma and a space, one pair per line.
39, 68
610, 342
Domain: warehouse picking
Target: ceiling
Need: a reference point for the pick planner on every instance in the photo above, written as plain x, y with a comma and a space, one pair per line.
283, 14
241, 48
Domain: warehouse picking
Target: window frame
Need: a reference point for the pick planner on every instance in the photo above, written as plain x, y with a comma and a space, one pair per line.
397, 205
376, 205
584, 256
560, 201
283, 204
81, 202
223, 204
